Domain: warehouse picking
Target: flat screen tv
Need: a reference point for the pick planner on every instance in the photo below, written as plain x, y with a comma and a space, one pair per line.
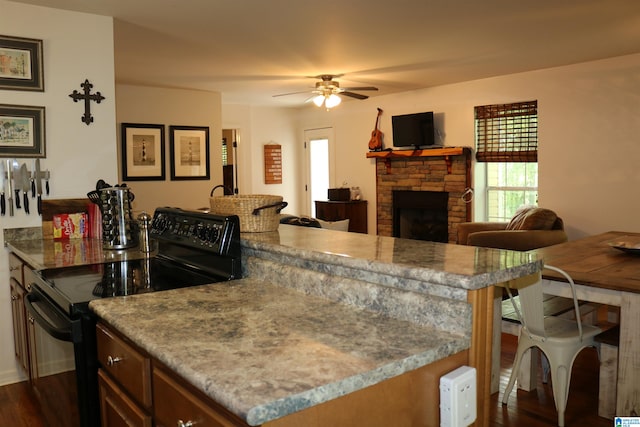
413, 130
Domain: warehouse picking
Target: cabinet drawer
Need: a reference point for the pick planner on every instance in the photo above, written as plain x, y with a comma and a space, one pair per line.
116, 408
15, 268
125, 364
174, 403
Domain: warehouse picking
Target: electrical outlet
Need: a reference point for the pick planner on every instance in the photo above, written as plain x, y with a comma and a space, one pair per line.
458, 397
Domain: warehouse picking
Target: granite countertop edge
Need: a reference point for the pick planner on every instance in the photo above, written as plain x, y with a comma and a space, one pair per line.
422, 272
281, 407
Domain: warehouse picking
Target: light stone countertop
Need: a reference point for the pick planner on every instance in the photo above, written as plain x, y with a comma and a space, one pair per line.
49, 253
264, 351
458, 266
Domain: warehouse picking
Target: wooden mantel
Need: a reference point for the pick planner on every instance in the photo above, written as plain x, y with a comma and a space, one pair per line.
446, 152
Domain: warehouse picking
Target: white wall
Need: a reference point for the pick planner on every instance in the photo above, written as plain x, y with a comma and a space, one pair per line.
152, 105
259, 126
589, 122
76, 154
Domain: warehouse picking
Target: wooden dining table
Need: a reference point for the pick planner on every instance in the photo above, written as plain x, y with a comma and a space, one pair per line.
606, 270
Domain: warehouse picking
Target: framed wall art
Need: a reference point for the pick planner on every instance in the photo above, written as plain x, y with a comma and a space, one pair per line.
22, 131
142, 152
21, 65
189, 147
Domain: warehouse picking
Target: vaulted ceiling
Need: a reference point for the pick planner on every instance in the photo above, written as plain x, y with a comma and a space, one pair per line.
250, 50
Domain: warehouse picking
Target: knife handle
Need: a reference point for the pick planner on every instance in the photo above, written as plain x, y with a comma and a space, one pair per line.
33, 188
3, 205
26, 202
39, 204
46, 186
18, 199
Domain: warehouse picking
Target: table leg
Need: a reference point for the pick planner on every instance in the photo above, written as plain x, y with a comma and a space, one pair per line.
628, 391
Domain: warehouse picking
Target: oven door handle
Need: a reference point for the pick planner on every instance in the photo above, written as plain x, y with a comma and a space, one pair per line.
52, 320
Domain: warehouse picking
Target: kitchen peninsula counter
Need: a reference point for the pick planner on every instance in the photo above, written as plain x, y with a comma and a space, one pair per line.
276, 342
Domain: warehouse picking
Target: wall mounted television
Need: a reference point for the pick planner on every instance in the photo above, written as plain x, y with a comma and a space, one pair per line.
413, 130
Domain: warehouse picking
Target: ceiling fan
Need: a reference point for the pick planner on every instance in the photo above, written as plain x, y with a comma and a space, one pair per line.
327, 90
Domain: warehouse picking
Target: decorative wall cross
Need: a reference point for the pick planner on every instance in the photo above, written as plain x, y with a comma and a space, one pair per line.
87, 96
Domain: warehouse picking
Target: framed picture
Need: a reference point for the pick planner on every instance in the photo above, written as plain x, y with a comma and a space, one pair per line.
189, 147
22, 131
142, 152
21, 64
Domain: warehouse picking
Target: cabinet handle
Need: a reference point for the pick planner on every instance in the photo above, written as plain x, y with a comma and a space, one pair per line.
113, 360
187, 424
14, 297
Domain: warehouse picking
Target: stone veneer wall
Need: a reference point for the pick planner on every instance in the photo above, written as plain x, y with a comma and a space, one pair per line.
423, 174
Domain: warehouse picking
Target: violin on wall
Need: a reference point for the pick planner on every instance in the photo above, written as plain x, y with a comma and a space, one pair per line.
375, 143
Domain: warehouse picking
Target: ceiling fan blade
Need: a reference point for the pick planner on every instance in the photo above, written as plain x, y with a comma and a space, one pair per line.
354, 95
361, 88
292, 93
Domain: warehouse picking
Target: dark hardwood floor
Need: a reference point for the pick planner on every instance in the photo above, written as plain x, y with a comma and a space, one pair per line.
19, 408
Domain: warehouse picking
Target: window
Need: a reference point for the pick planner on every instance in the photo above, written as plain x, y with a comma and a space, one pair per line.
507, 140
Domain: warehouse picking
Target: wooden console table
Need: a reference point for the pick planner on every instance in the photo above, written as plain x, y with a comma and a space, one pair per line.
355, 211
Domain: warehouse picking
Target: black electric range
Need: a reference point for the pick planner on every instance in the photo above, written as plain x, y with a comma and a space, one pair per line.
192, 248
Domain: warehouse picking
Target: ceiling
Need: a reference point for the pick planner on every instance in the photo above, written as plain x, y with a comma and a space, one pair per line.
250, 50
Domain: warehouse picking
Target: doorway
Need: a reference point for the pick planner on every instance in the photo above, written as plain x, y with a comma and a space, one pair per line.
319, 152
229, 167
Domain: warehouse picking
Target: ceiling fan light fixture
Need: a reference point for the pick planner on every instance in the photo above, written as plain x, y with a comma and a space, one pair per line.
318, 100
332, 100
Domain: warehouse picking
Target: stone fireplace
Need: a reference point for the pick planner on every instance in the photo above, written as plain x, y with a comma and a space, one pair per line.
421, 193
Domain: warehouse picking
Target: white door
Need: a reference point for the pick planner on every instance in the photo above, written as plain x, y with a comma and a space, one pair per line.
319, 152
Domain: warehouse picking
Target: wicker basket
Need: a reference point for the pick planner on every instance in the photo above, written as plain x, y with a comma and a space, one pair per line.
257, 212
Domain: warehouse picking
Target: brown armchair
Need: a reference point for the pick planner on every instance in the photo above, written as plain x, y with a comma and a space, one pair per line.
530, 228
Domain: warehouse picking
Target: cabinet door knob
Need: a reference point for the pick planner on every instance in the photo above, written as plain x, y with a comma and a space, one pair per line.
113, 360
185, 424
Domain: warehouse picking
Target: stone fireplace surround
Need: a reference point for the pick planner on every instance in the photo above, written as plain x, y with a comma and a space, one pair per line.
447, 169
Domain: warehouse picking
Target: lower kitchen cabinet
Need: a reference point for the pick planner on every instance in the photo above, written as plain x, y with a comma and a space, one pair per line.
180, 407
19, 324
116, 408
24, 344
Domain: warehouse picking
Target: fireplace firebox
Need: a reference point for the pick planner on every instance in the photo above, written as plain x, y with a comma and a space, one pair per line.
421, 215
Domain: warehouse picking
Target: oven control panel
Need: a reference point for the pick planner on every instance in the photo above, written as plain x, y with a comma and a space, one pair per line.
212, 233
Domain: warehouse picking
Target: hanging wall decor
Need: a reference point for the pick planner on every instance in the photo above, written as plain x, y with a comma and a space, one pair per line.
87, 97
22, 131
189, 149
21, 64
142, 152
272, 164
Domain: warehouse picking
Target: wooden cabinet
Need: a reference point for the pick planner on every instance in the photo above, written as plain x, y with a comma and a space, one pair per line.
116, 408
19, 324
19, 313
355, 211
126, 395
180, 407
124, 380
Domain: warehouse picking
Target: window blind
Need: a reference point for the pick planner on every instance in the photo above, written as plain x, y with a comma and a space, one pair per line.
507, 132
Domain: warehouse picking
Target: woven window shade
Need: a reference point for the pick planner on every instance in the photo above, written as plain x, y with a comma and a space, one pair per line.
507, 132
